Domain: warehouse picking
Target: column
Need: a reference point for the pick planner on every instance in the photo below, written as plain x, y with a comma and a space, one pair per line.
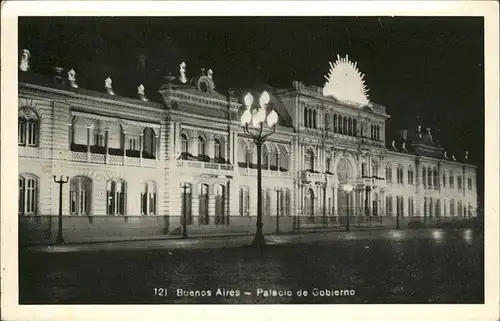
89, 127
335, 210
106, 138
141, 146
124, 148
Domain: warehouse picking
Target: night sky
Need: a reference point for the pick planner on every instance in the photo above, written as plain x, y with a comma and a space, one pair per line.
426, 68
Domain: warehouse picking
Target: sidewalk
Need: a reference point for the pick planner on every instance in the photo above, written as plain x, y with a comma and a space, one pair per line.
226, 241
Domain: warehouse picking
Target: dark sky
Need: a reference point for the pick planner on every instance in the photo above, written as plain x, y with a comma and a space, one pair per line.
431, 68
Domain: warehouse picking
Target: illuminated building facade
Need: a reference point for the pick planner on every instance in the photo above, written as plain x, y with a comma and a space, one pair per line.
126, 159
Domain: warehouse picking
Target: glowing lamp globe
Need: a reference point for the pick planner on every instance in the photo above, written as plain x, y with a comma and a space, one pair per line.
246, 118
248, 100
272, 118
264, 98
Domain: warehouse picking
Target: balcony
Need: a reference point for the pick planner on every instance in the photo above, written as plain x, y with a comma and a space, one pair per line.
205, 165
308, 176
265, 172
112, 159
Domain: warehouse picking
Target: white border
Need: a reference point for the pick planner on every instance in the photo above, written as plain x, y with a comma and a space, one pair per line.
12, 311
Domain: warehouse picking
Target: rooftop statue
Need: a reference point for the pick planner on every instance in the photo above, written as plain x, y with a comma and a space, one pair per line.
25, 59
453, 157
72, 79
446, 154
141, 94
466, 155
182, 73
404, 146
108, 84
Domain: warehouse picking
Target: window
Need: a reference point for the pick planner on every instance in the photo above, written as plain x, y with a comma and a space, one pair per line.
133, 143
116, 197
437, 208
329, 165
355, 127
399, 175
399, 206
430, 206
410, 207
27, 127
28, 194
149, 142
335, 124
148, 199
388, 174
327, 122
469, 184
444, 179
309, 161
244, 201
425, 206
99, 139
184, 144
217, 149
201, 146
287, 206
436, 177
452, 207
429, 177
363, 170
410, 176
315, 116
349, 125
80, 195
424, 177
388, 205
375, 169
452, 180
459, 182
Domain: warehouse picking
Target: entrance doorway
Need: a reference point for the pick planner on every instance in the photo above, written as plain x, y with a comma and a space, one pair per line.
186, 200
203, 217
309, 203
220, 201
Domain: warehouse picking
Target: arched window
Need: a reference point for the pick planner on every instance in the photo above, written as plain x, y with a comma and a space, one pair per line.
410, 207
310, 113
349, 126
184, 144
80, 195
149, 143
335, 124
388, 173
201, 146
265, 158
28, 194
148, 198
355, 127
306, 118
452, 207
284, 159
410, 176
309, 161
436, 177
425, 206
341, 125
431, 206
429, 177
344, 125
243, 159
469, 184
452, 180
459, 182
444, 179
388, 205
27, 127
218, 151
116, 197
327, 122
400, 174
274, 158
266, 202
315, 119
244, 201
424, 177
437, 208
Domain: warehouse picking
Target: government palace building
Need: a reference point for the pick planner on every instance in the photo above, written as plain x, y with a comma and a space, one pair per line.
138, 162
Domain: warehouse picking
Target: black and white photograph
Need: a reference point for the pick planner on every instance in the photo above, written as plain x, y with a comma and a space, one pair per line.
193, 159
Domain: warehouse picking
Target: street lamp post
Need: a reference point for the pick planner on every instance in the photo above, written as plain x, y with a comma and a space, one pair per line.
60, 239
347, 188
252, 121
184, 186
278, 191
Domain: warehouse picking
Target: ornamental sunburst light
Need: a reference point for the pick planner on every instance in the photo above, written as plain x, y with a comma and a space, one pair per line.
345, 82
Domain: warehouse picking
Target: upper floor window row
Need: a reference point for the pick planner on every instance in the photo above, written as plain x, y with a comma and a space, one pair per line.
310, 118
345, 125
203, 149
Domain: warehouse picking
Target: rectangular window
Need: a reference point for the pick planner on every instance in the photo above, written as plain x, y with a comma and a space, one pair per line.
363, 170
21, 132
32, 133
